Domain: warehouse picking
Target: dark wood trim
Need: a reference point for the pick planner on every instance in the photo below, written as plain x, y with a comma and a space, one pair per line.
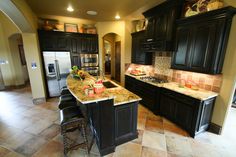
215, 128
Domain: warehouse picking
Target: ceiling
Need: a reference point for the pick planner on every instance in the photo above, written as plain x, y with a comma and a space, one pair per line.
107, 9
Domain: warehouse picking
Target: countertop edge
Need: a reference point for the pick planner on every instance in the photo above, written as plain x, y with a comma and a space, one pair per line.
161, 85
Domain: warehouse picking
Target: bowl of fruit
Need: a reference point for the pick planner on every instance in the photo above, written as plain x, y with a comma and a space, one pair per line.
77, 73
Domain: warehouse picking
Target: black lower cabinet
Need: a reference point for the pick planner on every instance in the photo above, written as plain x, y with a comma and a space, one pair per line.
111, 125
149, 93
126, 122
101, 119
167, 107
191, 114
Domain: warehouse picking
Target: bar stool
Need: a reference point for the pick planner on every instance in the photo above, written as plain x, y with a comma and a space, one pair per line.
71, 120
66, 100
65, 90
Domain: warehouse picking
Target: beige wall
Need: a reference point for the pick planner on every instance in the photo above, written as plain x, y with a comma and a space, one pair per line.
21, 14
12, 72
36, 75
119, 28
224, 100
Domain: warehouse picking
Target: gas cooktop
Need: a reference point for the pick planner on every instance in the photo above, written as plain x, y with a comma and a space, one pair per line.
153, 79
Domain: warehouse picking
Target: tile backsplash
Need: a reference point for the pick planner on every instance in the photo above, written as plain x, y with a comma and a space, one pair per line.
161, 68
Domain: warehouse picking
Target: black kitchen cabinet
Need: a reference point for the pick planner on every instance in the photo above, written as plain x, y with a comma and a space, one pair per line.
54, 41
130, 83
126, 122
89, 44
150, 94
64, 41
201, 41
76, 43
167, 107
159, 35
138, 55
191, 114
181, 55
111, 125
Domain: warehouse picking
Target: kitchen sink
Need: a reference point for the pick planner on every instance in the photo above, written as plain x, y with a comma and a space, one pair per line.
109, 84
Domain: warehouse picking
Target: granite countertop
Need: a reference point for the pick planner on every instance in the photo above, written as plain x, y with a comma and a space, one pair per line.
119, 94
197, 94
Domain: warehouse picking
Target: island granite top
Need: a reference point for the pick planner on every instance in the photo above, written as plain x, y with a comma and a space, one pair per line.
119, 94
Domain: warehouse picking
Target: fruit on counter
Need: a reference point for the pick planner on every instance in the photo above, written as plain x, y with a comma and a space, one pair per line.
137, 72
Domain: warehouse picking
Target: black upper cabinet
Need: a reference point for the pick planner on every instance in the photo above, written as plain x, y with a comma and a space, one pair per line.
89, 44
201, 41
161, 25
138, 56
180, 57
64, 41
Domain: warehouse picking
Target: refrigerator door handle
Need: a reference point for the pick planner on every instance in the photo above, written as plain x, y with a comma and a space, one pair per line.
57, 70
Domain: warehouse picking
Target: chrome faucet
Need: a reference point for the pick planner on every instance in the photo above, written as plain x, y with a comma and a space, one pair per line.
99, 72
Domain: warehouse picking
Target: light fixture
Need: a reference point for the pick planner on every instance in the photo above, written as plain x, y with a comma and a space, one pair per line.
91, 12
70, 9
117, 17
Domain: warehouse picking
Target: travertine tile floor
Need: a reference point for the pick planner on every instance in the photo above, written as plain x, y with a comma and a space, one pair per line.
33, 130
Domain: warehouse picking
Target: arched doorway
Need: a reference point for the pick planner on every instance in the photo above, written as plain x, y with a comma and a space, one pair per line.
112, 56
21, 76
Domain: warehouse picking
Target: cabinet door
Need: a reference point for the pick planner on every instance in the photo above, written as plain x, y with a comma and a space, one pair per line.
206, 114
138, 56
93, 45
150, 31
84, 45
183, 44
125, 122
130, 83
63, 43
202, 47
73, 46
184, 115
167, 107
75, 59
47, 42
161, 26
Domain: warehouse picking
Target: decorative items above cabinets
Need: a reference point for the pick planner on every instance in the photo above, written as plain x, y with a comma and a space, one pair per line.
194, 7
161, 26
201, 41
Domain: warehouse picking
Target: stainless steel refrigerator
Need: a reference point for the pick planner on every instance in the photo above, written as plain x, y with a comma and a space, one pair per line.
57, 68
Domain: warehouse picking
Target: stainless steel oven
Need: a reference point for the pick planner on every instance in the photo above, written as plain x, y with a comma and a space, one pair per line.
89, 60
91, 70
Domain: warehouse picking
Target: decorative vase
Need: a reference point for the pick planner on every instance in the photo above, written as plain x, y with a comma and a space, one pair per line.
214, 5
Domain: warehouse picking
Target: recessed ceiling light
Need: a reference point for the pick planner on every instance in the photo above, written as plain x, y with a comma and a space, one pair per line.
91, 12
70, 9
117, 17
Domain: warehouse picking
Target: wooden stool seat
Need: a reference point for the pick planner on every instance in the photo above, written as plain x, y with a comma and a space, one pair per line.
71, 120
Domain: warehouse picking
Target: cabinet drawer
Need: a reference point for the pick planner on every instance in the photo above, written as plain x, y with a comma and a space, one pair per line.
179, 97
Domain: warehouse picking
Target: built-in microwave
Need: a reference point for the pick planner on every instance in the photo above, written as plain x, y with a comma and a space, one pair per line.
89, 60
91, 70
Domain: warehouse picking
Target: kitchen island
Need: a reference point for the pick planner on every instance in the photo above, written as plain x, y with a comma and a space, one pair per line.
112, 114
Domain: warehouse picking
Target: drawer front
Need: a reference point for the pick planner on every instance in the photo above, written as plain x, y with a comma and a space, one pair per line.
179, 97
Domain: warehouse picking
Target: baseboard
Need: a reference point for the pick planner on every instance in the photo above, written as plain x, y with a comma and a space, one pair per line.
11, 87
215, 128
37, 101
